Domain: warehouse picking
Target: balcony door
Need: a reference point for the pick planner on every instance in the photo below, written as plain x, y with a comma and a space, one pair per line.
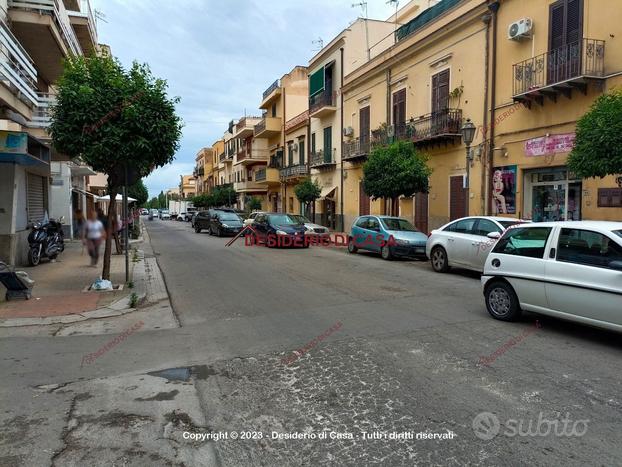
440, 101
364, 129
328, 144
399, 113
565, 40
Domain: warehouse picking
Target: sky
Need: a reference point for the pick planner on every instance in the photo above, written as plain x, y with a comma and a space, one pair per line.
219, 56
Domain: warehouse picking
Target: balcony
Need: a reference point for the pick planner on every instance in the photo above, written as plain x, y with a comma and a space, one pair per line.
356, 149
252, 154
44, 29
273, 91
222, 156
198, 171
443, 126
83, 22
251, 186
322, 104
322, 159
267, 127
17, 68
245, 127
26, 150
294, 171
42, 117
559, 71
268, 175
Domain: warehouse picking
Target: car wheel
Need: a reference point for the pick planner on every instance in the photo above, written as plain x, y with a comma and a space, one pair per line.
438, 258
210, 231
385, 252
219, 232
351, 246
197, 229
502, 302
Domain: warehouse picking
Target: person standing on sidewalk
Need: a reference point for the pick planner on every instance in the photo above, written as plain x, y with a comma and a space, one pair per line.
94, 233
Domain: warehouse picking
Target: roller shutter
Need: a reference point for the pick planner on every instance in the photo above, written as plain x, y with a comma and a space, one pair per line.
36, 197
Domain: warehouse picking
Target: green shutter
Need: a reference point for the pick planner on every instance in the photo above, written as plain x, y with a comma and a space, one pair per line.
316, 82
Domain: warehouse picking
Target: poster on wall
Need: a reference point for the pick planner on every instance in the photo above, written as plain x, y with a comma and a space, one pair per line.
504, 189
548, 145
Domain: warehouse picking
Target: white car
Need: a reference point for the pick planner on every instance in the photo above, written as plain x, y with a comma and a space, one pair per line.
570, 270
311, 228
164, 214
251, 217
466, 242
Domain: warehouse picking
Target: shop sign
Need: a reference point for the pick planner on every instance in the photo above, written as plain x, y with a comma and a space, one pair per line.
547, 145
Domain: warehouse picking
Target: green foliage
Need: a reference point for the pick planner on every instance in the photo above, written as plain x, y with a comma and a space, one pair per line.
139, 192
308, 191
395, 170
162, 200
598, 146
153, 203
203, 201
224, 195
108, 116
253, 204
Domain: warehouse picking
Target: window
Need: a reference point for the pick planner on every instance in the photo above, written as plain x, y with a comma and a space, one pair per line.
524, 241
465, 226
328, 143
301, 151
440, 91
373, 224
588, 248
362, 222
312, 143
290, 153
610, 197
273, 110
486, 226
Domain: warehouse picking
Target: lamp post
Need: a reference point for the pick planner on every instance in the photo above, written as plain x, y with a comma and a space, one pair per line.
468, 133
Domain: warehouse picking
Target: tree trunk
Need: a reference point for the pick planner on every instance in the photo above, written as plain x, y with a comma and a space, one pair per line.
112, 218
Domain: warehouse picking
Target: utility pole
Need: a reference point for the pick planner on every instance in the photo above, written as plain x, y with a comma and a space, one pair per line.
126, 227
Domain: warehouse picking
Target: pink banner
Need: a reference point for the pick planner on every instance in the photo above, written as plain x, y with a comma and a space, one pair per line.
549, 145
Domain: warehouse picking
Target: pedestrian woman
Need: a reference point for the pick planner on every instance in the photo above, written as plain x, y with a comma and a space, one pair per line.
94, 233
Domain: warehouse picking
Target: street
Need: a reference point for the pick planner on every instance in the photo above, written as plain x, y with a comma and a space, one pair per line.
407, 357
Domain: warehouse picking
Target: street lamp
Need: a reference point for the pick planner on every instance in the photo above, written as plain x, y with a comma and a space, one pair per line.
468, 133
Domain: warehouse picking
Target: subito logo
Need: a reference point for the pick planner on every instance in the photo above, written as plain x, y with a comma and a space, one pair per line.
486, 426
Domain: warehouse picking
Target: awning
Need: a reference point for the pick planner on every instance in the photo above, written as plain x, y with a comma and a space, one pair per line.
119, 198
78, 170
316, 82
328, 192
83, 192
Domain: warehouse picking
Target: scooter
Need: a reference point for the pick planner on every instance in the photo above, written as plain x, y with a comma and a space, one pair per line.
46, 240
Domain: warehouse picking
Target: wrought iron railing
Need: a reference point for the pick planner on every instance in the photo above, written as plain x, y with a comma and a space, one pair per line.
271, 88
441, 123
581, 58
321, 157
325, 98
294, 171
357, 147
276, 162
260, 127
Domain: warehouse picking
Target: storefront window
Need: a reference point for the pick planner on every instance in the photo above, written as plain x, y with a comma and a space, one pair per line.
550, 195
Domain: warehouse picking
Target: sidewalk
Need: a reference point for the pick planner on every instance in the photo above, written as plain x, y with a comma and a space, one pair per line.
59, 286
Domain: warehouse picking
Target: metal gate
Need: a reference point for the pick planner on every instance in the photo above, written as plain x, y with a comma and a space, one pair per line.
36, 192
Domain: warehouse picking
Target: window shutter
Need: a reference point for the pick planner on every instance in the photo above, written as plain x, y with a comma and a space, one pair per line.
556, 26
574, 14
316, 82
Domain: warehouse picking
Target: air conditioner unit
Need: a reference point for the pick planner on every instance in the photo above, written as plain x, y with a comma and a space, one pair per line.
348, 131
520, 29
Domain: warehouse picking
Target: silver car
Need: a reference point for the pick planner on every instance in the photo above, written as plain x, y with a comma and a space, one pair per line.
466, 242
311, 228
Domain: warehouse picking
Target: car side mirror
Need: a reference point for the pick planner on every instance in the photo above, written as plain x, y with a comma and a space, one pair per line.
494, 235
617, 265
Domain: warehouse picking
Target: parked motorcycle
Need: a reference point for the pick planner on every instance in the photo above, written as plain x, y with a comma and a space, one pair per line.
46, 240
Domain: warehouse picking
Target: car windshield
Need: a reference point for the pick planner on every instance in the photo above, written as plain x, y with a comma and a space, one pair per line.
618, 233
301, 219
395, 223
228, 216
282, 219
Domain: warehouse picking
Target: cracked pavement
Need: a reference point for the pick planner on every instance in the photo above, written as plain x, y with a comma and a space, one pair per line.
407, 358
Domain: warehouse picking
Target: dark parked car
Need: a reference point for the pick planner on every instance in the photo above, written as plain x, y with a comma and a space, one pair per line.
225, 223
201, 221
275, 229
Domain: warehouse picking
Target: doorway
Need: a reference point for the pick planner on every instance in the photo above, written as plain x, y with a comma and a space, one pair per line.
457, 197
552, 195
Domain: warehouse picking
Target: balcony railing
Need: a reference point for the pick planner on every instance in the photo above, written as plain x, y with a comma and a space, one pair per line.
559, 70
323, 99
322, 158
356, 148
276, 162
260, 127
260, 175
42, 115
16, 66
270, 89
55, 9
298, 170
222, 156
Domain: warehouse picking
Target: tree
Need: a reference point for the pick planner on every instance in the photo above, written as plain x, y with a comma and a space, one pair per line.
115, 120
204, 200
139, 192
307, 191
162, 200
395, 170
253, 204
598, 145
224, 195
153, 203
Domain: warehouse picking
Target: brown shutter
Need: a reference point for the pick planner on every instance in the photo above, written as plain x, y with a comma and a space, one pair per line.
399, 112
364, 126
421, 212
574, 21
440, 91
457, 198
363, 201
556, 25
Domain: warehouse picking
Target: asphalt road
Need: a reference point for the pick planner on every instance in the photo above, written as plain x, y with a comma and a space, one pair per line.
401, 352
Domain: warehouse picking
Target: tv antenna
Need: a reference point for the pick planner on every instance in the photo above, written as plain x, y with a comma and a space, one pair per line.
363, 6
100, 16
319, 43
396, 3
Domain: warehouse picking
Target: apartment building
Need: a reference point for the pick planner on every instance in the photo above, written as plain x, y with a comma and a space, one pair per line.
250, 159
524, 99
203, 170
187, 186
351, 49
36, 35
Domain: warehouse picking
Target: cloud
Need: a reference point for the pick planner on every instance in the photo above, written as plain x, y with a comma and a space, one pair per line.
219, 55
